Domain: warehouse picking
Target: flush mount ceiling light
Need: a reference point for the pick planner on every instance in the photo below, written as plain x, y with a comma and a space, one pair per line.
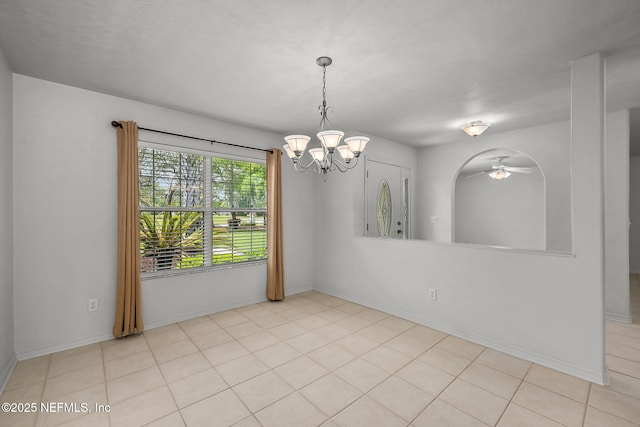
475, 128
322, 159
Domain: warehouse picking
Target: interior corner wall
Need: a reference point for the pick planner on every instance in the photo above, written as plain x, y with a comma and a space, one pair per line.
7, 353
65, 223
547, 308
617, 299
634, 215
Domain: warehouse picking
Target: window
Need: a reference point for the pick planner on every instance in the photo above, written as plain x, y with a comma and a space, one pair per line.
239, 201
198, 211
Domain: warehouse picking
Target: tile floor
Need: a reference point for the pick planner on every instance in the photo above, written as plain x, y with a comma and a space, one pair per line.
318, 360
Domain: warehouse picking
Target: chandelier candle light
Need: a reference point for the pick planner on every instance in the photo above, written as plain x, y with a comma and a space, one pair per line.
322, 158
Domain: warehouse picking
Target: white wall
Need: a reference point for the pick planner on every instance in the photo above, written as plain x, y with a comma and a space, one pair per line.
548, 309
7, 355
65, 219
617, 217
634, 214
508, 212
548, 145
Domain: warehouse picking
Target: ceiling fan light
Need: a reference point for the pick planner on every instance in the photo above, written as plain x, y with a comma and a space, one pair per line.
356, 144
475, 128
499, 174
297, 143
330, 139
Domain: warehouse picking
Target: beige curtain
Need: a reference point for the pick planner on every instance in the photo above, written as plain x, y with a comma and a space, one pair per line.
128, 300
275, 247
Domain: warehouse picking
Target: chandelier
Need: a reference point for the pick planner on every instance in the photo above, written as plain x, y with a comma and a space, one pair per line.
322, 158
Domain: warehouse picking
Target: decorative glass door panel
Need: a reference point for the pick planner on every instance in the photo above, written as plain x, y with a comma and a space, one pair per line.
383, 201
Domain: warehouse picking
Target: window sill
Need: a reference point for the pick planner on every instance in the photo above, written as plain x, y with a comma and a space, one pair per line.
172, 273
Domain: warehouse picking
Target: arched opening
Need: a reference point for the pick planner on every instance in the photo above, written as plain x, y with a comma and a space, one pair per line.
499, 200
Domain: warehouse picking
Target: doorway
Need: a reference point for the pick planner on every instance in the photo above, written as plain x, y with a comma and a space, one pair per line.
386, 201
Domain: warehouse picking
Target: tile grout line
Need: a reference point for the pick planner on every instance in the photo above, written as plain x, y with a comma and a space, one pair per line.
623, 373
106, 390
248, 379
551, 391
253, 414
622, 345
615, 415
298, 391
586, 405
166, 384
390, 374
70, 372
308, 302
179, 410
514, 395
44, 387
329, 372
399, 333
624, 358
402, 379
449, 385
122, 357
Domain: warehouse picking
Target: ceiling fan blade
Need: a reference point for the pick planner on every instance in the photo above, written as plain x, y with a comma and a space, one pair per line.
498, 159
518, 170
475, 174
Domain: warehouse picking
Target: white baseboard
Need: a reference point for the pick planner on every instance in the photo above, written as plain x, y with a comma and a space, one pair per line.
62, 345
216, 309
201, 312
6, 372
296, 290
618, 317
550, 362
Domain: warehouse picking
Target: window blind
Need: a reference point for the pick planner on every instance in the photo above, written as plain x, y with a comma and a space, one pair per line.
197, 211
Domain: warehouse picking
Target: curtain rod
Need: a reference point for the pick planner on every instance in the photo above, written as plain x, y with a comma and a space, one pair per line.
118, 125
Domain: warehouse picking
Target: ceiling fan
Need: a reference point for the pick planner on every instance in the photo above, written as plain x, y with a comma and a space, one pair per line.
501, 170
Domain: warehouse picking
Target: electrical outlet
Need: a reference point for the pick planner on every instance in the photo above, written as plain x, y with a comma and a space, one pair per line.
286, 272
433, 294
435, 219
93, 304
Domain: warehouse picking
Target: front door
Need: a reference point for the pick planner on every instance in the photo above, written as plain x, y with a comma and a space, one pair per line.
384, 216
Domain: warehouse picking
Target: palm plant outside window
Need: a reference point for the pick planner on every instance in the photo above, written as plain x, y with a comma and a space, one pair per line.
198, 211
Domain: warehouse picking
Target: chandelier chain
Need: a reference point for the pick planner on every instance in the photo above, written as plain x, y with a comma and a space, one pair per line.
324, 110
324, 87
323, 107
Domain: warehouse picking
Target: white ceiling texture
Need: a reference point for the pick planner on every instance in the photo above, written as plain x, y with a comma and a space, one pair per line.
411, 71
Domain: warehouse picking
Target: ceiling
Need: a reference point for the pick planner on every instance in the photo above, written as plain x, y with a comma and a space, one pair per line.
411, 71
